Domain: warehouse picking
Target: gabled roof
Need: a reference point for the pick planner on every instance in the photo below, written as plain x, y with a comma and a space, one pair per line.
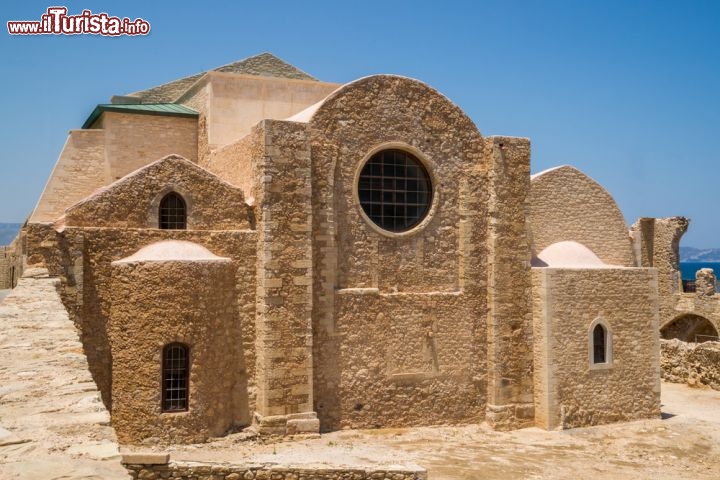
167, 109
264, 65
129, 201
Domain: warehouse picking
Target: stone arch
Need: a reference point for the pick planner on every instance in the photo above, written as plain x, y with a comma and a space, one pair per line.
689, 327
567, 205
607, 344
441, 255
154, 207
394, 112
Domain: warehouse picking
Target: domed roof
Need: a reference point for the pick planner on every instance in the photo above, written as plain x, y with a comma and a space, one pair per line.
568, 254
173, 250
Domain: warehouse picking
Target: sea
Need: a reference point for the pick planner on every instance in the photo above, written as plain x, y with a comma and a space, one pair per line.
688, 269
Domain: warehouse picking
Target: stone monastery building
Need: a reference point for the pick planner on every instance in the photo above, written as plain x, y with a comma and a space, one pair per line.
251, 246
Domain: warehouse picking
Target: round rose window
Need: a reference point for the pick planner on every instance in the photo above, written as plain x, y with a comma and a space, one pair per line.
395, 190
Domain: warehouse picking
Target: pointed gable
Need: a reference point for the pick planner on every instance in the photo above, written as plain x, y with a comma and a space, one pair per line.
133, 201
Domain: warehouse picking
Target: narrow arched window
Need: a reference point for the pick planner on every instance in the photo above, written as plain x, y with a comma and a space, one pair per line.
599, 344
175, 377
173, 212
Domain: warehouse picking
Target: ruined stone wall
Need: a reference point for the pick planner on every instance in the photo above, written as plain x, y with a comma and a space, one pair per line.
398, 320
236, 162
695, 364
82, 258
657, 242
5, 260
80, 170
197, 470
133, 141
566, 204
691, 304
212, 204
11, 266
572, 392
660, 248
193, 302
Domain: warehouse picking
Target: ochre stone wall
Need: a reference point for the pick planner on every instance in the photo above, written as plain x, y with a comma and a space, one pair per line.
198, 98
212, 204
81, 169
236, 162
569, 391
405, 359
319, 313
238, 102
398, 320
284, 280
155, 303
509, 325
132, 140
566, 204
94, 158
81, 257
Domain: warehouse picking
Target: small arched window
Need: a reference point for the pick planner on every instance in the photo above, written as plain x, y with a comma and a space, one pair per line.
175, 377
173, 212
599, 344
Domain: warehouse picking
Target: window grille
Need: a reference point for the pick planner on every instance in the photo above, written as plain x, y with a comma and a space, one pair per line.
395, 191
173, 212
175, 376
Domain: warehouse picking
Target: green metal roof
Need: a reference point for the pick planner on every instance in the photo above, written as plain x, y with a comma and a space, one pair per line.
168, 109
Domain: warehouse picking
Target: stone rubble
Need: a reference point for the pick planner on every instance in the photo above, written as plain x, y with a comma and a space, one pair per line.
696, 364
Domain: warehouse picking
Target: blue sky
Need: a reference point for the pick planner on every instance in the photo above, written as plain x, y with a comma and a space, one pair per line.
628, 92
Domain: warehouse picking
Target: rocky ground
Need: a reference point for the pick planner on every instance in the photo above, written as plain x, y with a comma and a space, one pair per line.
54, 427
684, 444
52, 423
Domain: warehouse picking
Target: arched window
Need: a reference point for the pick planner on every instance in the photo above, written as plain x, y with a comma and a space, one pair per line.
175, 377
173, 212
599, 342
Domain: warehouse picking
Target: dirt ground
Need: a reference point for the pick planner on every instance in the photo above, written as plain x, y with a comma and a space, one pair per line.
684, 444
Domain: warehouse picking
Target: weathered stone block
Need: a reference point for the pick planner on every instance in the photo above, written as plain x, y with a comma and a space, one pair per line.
146, 458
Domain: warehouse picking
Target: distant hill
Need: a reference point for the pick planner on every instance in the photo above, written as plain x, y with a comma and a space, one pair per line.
8, 232
692, 254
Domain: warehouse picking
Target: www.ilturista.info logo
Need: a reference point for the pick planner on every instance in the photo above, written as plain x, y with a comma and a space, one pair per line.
57, 22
